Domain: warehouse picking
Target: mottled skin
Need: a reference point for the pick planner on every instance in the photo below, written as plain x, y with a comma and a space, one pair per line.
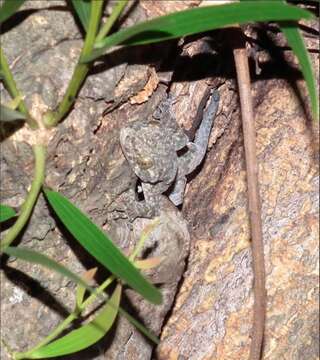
151, 149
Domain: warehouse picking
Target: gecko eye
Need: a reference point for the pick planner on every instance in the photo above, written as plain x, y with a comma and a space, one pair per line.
145, 162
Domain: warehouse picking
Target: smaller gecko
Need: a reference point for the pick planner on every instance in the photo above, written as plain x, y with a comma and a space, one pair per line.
161, 155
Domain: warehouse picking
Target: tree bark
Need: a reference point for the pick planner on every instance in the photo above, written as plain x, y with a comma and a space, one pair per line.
211, 316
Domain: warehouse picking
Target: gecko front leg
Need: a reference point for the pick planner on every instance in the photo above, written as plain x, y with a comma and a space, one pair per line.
192, 158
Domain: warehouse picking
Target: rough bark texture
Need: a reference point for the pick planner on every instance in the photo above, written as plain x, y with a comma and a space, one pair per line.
86, 164
211, 317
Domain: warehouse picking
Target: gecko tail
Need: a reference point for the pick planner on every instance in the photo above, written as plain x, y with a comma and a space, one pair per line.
211, 109
202, 135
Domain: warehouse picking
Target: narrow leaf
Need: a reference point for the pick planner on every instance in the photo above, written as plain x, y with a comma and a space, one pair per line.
82, 8
37, 258
8, 8
296, 42
197, 20
7, 114
86, 335
100, 246
6, 213
40, 259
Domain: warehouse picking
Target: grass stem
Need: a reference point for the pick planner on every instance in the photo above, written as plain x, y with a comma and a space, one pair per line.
27, 207
81, 70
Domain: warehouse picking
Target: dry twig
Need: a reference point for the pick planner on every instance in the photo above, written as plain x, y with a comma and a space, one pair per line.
243, 76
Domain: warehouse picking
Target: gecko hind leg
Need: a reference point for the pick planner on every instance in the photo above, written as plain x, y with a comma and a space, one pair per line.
177, 192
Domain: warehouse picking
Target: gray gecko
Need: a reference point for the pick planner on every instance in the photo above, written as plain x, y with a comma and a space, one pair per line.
152, 147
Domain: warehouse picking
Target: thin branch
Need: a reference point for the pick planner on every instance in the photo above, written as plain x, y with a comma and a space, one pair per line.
243, 76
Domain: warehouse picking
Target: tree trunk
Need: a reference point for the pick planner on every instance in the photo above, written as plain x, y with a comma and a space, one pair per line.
206, 312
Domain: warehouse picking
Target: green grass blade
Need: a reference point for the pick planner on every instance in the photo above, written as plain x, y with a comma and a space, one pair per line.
295, 41
7, 114
100, 246
297, 45
198, 20
86, 335
37, 258
82, 8
40, 259
8, 8
6, 213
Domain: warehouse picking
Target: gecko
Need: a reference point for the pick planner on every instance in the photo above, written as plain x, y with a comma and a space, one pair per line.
161, 155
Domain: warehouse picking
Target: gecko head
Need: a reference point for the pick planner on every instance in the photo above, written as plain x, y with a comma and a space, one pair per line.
147, 153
